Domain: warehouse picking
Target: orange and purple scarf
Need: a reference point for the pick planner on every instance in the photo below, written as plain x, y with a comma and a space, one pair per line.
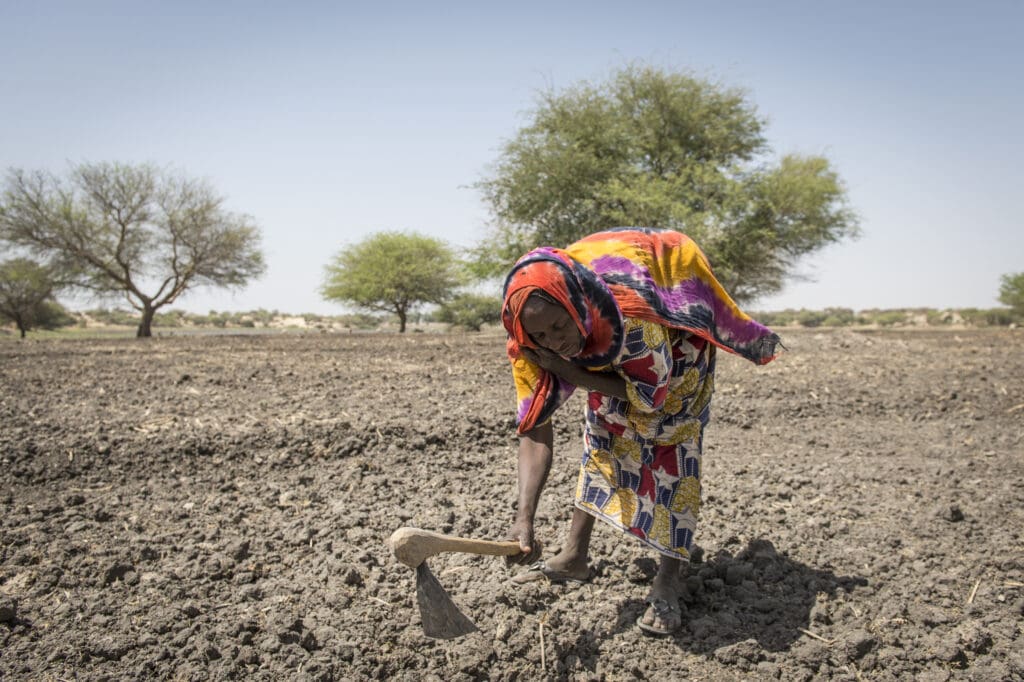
655, 275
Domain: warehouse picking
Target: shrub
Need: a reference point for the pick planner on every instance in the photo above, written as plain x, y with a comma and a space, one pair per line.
1000, 317
782, 318
52, 315
470, 311
811, 318
839, 317
115, 317
171, 318
361, 320
993, 317
889, 318
263, 317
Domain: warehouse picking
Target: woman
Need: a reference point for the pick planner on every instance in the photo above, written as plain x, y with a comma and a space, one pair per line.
633, 316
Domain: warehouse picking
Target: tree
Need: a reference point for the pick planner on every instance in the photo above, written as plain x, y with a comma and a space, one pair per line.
26, 292
128, 230
658, 149
1011, 291
392, 272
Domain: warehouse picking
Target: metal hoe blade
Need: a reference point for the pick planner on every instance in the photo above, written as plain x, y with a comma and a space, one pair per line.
441, 618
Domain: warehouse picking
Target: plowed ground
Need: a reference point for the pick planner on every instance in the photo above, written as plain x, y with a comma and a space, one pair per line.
216, 508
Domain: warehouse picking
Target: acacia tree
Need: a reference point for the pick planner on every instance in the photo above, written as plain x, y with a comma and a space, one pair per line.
26, 293
660, 149
1011, 291
134, 231
392, 272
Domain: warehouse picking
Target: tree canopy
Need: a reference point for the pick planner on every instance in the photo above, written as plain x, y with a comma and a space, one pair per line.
392, 272
136, 231
653, 148
1011, 291
26, 294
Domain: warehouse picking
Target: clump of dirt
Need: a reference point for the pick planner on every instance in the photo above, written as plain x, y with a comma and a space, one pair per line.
216, 508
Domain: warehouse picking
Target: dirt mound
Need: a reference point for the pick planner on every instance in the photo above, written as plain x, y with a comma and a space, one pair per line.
216, 508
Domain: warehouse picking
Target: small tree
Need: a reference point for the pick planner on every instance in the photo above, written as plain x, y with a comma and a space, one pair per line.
132, 231
470, 311
1011, 291
392, 272
26, 290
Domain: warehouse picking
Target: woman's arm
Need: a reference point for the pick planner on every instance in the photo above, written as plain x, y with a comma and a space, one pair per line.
606, 383
535, 454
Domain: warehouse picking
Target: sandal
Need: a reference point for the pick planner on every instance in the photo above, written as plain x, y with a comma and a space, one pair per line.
541, 570
662, 610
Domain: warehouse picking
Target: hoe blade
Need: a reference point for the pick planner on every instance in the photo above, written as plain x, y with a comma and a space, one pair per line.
441, 618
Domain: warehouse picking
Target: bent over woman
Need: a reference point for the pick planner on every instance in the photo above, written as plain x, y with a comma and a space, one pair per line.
634, 316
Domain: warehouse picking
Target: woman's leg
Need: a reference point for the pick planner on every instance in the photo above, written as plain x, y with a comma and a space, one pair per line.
572, 559
665, 614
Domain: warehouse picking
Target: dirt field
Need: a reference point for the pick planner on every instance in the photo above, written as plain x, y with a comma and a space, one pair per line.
216, 508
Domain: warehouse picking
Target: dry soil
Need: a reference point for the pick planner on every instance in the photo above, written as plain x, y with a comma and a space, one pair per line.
216, 508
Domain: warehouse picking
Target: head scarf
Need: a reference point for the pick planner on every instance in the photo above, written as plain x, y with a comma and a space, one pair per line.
578, 290
655, 275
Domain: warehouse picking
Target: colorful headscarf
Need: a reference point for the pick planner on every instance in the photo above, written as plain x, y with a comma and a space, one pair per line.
582, 293
656, 275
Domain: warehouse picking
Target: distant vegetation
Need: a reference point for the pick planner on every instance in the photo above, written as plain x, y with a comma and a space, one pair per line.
473, 313
253, 319
899, 317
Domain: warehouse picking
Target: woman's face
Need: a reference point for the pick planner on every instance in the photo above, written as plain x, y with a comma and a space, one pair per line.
551, 327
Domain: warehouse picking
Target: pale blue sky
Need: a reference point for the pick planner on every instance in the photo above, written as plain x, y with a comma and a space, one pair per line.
327, 121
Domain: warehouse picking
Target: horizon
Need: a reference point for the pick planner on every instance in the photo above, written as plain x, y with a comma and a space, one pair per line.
430, 308
329, 123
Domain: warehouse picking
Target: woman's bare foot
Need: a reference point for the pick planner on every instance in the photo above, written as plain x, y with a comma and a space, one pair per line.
563, 566
569, 564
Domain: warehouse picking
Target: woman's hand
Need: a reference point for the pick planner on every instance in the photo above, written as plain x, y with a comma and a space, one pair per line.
608, 383
548, 360
530, 547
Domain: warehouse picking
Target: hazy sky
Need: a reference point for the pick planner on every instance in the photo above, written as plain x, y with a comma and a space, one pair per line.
327, 121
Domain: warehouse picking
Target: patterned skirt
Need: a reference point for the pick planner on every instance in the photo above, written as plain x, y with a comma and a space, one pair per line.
641, 471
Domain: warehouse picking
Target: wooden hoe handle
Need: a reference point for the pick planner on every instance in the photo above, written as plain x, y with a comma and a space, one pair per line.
413, 546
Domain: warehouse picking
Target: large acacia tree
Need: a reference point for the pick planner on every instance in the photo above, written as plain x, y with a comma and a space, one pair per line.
662, 149
136, 231
392, 272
